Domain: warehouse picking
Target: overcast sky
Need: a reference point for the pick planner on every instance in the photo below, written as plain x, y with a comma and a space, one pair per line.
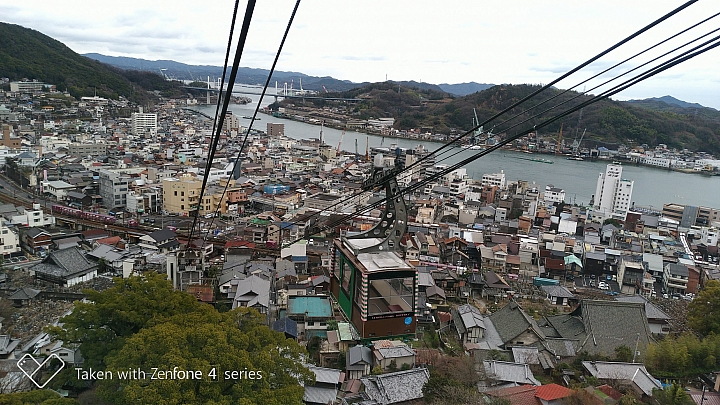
503, 41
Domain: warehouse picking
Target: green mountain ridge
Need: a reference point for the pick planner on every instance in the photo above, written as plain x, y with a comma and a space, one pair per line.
29, 54
608, 122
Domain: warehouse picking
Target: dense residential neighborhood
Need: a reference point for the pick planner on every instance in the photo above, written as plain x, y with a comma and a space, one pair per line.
536, 300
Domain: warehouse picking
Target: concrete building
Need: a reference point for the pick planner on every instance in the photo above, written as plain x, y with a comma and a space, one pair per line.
144, 124
9, 239
613, 193
494, 179
181, 195
113, 188
26, 87
554, 194
274, 130
87, 149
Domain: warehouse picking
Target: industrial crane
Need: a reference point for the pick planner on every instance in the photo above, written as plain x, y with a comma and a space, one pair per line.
340, 143
558, 150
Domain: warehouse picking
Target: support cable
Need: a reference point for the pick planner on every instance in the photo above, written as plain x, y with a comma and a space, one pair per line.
247, 133
226, 101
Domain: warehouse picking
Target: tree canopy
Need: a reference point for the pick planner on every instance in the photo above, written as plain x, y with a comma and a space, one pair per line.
216, 345
704, 310
102, 325
142, 324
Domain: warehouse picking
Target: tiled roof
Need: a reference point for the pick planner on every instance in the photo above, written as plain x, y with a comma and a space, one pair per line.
552, 391
522, 395
651, 310
252, 291
503, 371
357, 354
24, 293
65, 263
510, 321
398, 387
610, 324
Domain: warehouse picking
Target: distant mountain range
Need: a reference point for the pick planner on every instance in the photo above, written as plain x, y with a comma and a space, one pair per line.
25, 53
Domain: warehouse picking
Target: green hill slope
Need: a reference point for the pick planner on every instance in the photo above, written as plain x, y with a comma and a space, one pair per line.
26, 53
607, 122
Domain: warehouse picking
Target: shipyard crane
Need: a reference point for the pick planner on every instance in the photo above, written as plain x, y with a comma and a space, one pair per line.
340, 143
576, 146
478, 131
326, 90
558, 150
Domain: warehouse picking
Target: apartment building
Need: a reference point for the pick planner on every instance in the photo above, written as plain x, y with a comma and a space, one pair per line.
113, 188
144, 124
181, 195
87, 149
613, 194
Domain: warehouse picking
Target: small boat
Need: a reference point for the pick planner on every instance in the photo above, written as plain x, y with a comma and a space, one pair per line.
247, 117
578, 158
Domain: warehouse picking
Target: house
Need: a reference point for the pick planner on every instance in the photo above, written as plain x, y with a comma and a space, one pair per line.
469, 324
631, 375
311, 312
163, 240
503, 374
359, 361
658, 321
325, 389
286, 326
23, 296
599, 327
390, 355
70, 354
557, 294
36, 240
395, 388
252, 292
65, 267
515, 327
551, 394
7, 347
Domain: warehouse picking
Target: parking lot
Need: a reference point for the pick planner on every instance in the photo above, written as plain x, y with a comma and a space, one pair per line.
602, 283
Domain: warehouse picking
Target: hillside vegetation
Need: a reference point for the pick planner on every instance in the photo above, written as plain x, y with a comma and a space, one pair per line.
26, 53
607, 122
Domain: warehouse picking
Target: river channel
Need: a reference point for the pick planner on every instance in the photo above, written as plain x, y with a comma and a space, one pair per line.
653, 187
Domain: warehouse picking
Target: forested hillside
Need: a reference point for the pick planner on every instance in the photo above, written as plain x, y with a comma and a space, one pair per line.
29, 54
606, 122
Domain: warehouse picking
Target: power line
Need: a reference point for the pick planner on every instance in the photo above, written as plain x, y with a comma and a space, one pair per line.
226, 101
708, 45
523, 100
247, 133
600, 85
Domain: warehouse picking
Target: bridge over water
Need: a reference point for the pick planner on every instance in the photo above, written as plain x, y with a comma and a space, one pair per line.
276, 95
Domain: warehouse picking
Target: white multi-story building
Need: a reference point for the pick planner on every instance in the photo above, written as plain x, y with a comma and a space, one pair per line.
613, 194
144, 124
9, 240
554, 194
458, 187
494, 179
